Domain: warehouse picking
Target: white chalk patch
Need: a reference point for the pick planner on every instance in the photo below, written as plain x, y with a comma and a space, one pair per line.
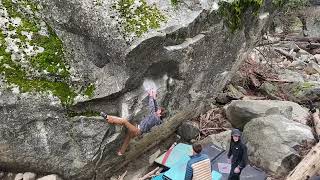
149, 84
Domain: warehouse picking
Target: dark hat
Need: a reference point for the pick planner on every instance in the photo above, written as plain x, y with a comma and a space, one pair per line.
235, 132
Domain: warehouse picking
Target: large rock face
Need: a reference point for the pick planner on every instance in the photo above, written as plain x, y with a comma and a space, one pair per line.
37, 136
241, 112
189, 57
272, 140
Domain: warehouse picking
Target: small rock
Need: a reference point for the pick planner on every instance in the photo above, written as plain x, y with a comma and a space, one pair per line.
317, 57
303, 92
242, 90
1, 175
298, 64
18, 176
269, 89
189, 130
221, 140
312, 68
50, 177
291, 76
305, 58
223, 98
29, 176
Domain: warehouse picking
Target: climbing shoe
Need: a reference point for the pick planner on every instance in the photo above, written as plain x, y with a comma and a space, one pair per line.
104, 115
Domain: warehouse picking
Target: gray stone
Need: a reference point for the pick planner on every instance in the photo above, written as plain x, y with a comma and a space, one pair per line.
269, 89
317, 57
291, 76
189, 130
2, 175
50, 177
46, 134
312, 68
221, 140
240, 112
29, 176
303, 92
271, 141
312, 16
18, 176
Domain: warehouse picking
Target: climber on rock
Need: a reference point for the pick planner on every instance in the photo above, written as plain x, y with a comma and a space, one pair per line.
238, 154
155, 118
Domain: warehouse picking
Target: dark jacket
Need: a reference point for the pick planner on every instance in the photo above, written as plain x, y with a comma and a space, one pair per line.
152, 120
238, 151
194, 159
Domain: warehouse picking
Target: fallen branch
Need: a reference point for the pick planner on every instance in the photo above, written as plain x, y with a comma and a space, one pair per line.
159, 171
149, 175
254, 80
285, 53
253, 98
303, 39
221, 128
316, 121
277, 80
122, 176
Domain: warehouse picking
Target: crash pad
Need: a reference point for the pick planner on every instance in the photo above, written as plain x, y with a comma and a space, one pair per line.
212, 151
248, 173
178, 154
178, 171
159, 177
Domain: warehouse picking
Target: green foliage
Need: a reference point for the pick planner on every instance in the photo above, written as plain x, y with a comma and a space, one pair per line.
138, 18
174, 2
233, 13
302, 87
89, 91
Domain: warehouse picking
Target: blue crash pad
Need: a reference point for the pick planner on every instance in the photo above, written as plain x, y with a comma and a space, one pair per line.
179, 154
159, 177
178, 158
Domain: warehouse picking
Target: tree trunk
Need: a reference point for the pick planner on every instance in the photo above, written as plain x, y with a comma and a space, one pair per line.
308, 167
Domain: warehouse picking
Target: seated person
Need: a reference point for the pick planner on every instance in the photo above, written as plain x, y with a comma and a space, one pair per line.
155, 118
199, 166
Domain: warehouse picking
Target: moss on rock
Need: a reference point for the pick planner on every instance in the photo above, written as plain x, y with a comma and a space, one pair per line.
31, 54
90, 90
233, 13
137, 16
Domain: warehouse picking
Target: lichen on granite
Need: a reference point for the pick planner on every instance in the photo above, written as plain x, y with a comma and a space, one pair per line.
137, 17
31, 54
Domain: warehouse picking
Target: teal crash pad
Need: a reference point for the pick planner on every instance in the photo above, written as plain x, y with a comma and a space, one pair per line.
179, 154
159, 177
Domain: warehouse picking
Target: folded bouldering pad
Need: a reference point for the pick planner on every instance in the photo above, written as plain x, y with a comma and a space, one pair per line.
178, 154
